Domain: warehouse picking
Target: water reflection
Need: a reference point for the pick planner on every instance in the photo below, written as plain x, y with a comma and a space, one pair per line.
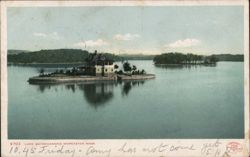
127, 86
71, 87
42, 87
96, 94
182, 66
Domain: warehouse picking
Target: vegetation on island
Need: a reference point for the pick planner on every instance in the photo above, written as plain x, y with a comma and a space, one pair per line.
180, 58
62, 72
129, 69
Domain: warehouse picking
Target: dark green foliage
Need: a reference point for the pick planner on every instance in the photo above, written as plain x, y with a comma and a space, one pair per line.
112, 57
41, 71
74, 71
100, 58
54, 56
78, 55
230, 57
120, 72
68, 72
213, 59
61, 71
12, 51
50, 56
42, 74
177, 58
127, 67
137, 57
136, 72
143, 72
134, 67
116, 66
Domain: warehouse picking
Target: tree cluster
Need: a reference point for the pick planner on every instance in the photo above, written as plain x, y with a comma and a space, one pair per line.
179, 58
69, 72
131, 69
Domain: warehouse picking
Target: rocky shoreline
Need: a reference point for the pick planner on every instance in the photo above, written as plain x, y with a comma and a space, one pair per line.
67, 79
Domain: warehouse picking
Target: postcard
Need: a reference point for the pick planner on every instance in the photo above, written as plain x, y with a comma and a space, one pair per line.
125, 78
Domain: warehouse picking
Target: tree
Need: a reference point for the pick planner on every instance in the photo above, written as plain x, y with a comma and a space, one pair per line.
116, 66
143, 72
68, 72
73, 71
178, 58
127, 67
213, 59
200, 58
61, 71
120, 72
134, 68
41, 71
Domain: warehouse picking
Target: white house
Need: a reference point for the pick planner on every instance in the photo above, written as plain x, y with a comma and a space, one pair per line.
99, 65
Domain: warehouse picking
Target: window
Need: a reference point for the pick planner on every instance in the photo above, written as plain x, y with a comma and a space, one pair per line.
106, 70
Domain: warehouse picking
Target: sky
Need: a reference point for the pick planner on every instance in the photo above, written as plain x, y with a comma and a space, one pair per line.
128, 29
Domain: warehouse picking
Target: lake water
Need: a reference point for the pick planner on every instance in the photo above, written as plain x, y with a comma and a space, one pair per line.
187, 102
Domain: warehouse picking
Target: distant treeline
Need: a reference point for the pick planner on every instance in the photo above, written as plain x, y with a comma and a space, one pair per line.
230, 57
79, 56
137, 57
12, 51
180, 58
53, 56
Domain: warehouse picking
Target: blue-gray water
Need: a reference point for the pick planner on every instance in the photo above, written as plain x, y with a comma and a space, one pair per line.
188, 102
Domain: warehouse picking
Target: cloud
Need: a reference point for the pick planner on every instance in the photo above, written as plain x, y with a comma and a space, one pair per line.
53, 35
91, 43
126, 37
184, 43
40, 35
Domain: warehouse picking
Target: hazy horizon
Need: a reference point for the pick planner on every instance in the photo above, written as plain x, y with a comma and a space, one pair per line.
130, 53
128, 30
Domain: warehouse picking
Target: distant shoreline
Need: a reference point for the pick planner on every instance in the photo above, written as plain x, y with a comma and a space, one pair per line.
78, 56
81, 63
47, 65
12, 63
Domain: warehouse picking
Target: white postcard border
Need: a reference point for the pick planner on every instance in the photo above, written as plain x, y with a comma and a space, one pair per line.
169, 147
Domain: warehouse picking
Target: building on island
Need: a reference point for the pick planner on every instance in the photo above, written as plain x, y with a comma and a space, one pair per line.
98, 65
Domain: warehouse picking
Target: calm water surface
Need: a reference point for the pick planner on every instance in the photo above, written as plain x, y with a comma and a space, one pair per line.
187, 102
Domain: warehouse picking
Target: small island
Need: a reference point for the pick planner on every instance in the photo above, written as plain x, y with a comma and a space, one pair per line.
97, 67
175, 58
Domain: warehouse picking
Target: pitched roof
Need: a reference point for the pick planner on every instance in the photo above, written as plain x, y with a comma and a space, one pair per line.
98, 58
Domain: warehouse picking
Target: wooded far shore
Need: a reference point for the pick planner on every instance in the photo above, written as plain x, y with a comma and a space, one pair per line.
78, 56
